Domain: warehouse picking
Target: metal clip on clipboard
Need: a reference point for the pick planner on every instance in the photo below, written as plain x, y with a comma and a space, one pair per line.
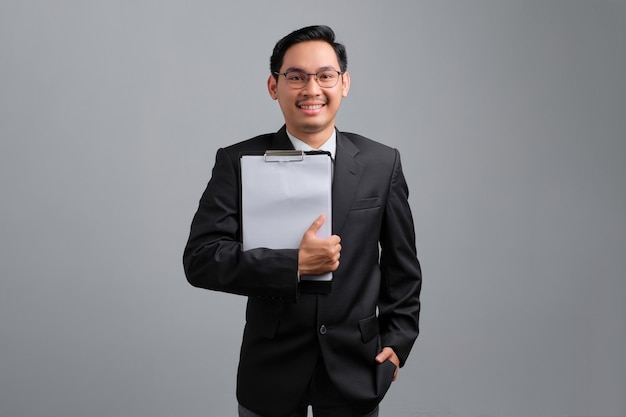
283, 156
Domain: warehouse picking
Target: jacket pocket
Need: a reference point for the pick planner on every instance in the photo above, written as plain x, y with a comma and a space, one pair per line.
365, 203
369, 328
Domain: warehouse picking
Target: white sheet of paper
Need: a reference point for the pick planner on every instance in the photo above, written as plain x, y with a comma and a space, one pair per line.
280, 200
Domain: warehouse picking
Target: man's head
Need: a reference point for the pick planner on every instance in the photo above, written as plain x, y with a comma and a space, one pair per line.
309, 80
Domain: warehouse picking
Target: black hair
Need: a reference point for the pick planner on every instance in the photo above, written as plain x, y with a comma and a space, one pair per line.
309, 33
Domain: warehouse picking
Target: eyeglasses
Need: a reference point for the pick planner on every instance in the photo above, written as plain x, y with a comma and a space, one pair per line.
299, 79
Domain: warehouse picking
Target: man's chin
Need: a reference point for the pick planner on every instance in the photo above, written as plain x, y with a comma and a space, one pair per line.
313, 127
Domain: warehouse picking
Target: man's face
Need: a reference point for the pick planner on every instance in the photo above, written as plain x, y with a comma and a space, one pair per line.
309, 112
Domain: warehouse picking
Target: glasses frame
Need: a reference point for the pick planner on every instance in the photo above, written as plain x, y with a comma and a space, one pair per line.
308, 77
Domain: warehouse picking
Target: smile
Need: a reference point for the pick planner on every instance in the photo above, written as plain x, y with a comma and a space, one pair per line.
311, 106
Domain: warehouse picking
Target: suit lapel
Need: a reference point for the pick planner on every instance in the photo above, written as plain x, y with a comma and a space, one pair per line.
346, 178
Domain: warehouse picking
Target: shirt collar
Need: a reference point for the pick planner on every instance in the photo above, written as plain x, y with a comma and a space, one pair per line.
329, 146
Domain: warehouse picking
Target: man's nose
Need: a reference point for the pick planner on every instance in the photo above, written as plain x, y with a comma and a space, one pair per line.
311, 86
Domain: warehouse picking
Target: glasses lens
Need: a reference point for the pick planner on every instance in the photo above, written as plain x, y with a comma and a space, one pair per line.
327, 79
296, 79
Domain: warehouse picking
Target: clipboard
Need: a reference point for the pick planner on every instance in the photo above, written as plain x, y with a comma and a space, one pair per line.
282, 193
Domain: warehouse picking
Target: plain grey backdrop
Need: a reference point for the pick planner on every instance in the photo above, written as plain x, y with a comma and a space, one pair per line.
511, 120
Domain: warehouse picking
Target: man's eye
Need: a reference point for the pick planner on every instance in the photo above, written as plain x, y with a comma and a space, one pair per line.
295, 77
326, 76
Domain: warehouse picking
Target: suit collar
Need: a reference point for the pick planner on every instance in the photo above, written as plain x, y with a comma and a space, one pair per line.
281, 140
344, 144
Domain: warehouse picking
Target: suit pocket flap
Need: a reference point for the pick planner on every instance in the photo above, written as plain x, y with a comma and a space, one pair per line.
369, 328
365, 203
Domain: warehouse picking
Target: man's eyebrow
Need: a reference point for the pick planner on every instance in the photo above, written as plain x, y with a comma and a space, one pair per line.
293, 69
325, 68
328, 67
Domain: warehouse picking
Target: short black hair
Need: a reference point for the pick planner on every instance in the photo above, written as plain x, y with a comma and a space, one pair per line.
309, 33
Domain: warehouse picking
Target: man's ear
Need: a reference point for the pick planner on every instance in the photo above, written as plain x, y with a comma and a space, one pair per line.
345, 84
271, 87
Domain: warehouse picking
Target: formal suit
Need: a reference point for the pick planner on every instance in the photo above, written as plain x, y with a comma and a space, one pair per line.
374, 300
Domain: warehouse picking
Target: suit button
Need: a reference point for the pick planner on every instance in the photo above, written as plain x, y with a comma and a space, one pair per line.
323, 329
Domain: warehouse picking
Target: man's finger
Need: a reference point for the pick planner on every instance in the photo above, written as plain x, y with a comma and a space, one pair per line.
315, 226
383, 356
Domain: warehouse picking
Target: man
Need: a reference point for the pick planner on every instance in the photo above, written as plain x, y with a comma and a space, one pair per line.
336, 351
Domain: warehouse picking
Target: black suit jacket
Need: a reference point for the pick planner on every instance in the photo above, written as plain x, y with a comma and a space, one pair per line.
374, 300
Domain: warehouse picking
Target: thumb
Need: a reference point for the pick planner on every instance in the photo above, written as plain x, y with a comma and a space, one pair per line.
315, 226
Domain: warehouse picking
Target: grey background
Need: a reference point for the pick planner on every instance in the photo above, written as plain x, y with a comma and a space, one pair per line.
511, 120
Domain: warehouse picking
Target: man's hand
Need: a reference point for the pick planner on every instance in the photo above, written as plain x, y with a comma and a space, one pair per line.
388, 354
318, 256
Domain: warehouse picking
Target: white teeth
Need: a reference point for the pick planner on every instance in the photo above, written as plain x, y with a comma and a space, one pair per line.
313, 107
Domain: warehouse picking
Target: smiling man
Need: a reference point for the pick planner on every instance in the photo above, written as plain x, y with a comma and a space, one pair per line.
336, 351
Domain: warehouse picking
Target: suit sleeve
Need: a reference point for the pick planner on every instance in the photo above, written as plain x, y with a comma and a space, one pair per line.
214, 259
399, 305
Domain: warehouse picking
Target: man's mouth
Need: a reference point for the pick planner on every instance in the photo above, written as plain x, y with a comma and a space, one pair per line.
311, 106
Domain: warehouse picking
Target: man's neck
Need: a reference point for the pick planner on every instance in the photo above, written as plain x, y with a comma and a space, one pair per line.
316, 139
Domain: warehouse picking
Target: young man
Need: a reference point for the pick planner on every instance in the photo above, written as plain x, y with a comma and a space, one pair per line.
337, 351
